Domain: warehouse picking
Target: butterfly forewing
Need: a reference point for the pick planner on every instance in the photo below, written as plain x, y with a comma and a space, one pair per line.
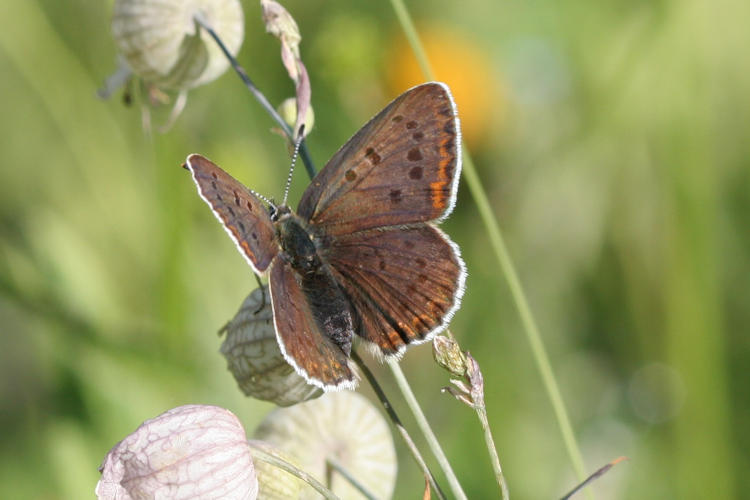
402, 167
405, 284
305, 346
241, 213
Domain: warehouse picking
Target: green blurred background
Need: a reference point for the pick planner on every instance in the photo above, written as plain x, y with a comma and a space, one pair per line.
612, 138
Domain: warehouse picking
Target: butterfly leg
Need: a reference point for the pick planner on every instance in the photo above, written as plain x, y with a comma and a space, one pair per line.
263, 295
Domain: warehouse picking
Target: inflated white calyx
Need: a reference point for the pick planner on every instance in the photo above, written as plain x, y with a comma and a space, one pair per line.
162, 43
340, 425
254, 358
192, 451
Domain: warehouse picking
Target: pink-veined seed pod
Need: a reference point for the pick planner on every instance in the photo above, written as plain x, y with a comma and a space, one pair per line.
255, 359
192, 451
161, 42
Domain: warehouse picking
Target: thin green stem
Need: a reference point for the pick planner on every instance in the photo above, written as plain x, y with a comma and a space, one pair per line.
527, 318
398, 425
494, 458
292, 469
339, 467
404, 18
424, 426
506, 265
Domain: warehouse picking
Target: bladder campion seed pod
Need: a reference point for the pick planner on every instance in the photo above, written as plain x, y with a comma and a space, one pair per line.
340, 426
162, 43
274, 483
254, 358
192, 451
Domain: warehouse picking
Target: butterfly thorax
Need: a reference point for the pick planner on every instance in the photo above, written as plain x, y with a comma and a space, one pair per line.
296, 242
329, 306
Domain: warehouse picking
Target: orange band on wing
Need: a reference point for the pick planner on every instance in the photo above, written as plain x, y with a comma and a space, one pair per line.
445, 171
437, 195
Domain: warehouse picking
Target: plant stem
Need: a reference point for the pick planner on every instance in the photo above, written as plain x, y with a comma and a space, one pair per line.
494, 458
398, 425
424, 425
600, 472
404, 18
527, 318
506, 264
338, 467
292, 469
304, 154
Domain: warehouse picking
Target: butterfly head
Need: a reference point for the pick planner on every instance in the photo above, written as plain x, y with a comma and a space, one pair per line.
278, 212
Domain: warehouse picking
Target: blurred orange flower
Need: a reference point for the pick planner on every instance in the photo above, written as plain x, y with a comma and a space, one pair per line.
463, 65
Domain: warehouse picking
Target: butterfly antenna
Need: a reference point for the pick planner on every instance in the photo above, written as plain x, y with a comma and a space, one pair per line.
263, 198
297, 143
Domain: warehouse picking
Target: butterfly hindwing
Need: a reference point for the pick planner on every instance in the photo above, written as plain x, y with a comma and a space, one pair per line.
405, 284
242, 214
402, 167
315, 356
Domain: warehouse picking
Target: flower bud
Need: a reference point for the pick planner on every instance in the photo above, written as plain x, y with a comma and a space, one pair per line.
192, 451
448, 355
254, 358
288, 111
343, 426
162, 43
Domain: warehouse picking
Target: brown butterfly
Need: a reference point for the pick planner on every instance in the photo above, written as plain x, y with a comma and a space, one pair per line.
362, 255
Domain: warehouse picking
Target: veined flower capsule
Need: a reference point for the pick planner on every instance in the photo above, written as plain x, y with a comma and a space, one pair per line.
341, 426
192, 451
273, 482
254, 358
162, 43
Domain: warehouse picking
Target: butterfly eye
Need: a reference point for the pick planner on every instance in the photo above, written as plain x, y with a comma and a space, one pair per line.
277, 212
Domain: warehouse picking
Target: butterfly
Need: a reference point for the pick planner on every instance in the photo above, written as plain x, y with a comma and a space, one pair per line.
362, 255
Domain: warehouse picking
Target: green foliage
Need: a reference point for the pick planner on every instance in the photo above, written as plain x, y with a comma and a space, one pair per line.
618, 170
